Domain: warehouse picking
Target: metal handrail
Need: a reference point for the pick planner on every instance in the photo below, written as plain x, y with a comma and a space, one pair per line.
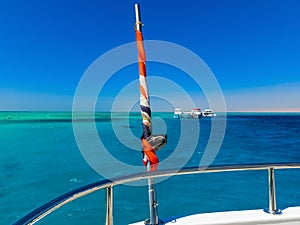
68, 197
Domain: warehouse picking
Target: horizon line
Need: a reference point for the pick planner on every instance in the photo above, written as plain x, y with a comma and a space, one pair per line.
103, 111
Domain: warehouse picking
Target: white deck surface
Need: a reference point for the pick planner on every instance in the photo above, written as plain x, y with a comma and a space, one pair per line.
289, 216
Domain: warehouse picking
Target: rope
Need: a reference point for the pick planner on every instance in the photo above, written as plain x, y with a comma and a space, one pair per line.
135, 25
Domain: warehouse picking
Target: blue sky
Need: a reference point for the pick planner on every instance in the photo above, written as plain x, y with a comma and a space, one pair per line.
251, 46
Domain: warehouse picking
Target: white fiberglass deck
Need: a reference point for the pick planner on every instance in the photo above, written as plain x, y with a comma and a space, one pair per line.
289, 216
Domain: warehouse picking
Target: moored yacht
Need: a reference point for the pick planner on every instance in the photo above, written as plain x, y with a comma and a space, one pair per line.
208, 113
177, 113
196, 113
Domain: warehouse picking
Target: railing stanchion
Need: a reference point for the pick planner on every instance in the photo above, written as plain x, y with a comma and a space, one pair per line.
109, 206
272, 193
152, 203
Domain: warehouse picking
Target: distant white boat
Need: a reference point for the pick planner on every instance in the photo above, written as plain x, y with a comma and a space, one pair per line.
208, 113
177, 113
186, 114
196, 113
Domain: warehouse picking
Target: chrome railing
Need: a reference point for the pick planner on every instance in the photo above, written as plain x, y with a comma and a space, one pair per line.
66, 198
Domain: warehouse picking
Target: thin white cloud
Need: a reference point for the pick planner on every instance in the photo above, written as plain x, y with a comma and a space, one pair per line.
15, 100
283, 97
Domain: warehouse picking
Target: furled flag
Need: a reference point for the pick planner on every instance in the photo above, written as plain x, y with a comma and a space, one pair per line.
150, 143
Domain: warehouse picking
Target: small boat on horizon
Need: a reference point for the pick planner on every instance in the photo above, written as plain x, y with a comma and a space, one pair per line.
177, 113
196, 113
208, 113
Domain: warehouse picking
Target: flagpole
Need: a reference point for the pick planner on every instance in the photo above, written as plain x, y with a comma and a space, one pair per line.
138, 17
151, 187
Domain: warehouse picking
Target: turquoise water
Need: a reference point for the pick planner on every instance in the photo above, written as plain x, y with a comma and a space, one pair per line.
40, 160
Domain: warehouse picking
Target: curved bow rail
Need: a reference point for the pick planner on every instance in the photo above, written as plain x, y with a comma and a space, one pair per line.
66, 198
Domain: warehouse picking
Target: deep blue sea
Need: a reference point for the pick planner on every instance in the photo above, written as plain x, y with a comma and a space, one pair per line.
40, 160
